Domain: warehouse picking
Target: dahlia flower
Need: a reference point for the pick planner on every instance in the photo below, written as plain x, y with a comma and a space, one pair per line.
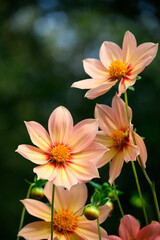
67, 155
69, 223
115, 65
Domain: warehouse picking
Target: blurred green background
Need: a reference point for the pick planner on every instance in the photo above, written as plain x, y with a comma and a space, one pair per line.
42, 45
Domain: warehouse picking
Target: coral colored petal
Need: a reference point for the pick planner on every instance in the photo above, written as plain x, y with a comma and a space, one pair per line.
65, 177
36, 230
130, 152
144, 51
104, 212
89, 231
143, 150
149, 232
92, 153
100, 90
116, 166
104, 139
124, 85
83, 134
120, 114
129, 227
110, 52
33, 154
39, 136
74, 236
89, 83
60, 125
139, 67
46, 171
84, 170
111, 237
105, 116
107, 157
129, 46
38, 209
94, 68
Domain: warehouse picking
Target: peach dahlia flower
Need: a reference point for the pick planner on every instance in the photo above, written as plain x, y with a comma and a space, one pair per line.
129, 228
67, 155
69, 224
116, 135
115, 65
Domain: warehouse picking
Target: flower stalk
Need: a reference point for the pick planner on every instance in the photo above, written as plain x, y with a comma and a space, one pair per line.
117, 198
99, 230
52, 211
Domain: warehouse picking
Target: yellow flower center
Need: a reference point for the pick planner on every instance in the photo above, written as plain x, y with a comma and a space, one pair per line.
60, 153
117, 69
65, 221
119, 138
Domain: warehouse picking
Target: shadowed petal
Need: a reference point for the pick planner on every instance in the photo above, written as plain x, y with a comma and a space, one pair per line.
120, 114
60, 125
104, 212
111, 237
129, 46
37, 230
65, 177
143, 150
46, 171
105, 116
38, 209
100, 90
89, 83
150, 232
130, 152
94, 68
128, 228
39, 136
124, 85
109, 155
83, 134
104, 139
33, 154
84, 170
92, 153
116, 166
110, 52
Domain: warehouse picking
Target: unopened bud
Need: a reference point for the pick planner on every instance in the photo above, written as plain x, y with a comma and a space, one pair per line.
37, 192
91, 212
111, 205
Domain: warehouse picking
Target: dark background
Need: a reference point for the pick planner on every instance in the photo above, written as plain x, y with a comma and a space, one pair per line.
42, 45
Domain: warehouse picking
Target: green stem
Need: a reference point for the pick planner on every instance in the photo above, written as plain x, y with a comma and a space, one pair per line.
99, 230
118, 201
133, 165
52, 211
24, 209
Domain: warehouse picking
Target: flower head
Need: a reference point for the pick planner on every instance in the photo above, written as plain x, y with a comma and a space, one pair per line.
67, 155
68, 220
116, 135
115, 65
129, 228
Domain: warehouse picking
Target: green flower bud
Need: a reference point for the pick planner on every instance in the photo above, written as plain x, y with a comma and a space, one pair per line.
91, 212
37, 192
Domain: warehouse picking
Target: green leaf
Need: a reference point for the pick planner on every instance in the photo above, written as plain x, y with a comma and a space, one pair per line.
40, 183
27, 181
103, 201
138, 77
131, 88
95, 185
95, 198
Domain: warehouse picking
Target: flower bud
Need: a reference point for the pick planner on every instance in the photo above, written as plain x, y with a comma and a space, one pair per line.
91, 212
111, 205
37, 192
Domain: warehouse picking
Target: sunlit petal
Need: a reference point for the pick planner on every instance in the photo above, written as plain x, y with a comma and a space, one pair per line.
46, 171
143, 150
116, 166
130, 152
94, 68
129, 46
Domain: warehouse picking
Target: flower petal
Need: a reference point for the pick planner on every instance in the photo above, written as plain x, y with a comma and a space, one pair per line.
120, 114
65, 177
46, 171
100, 90
129, 46
125, 84
89, 83
144, 51
84, 170
150, 232
33, 154
83, 134
104, 212
129, 227
92, 153
38, 209
109, 155
94, 68
39, 136
104, 139
60, 125
130, 152
105, 116
143, 150
116, 166
110, 52
111, 237
36, 230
